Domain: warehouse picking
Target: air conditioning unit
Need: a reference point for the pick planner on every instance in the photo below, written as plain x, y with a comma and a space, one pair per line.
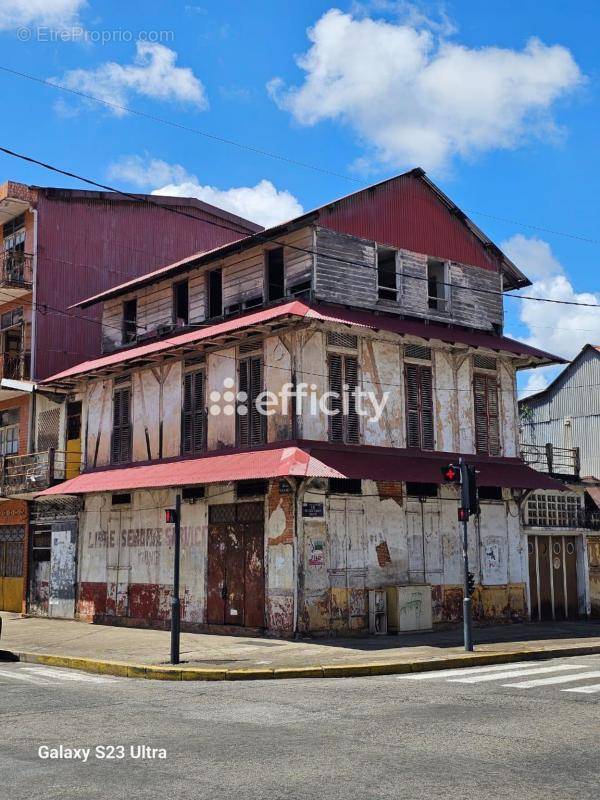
409, 608
378, 612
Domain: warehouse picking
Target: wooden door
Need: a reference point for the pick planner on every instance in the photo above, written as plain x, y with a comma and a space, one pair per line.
558, 578
553, 577
236, 565
12, 540
73, 455
570, 545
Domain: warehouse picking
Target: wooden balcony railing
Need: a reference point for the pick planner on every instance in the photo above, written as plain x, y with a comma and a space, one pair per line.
15, 366
35, 472
559, 461
16, 269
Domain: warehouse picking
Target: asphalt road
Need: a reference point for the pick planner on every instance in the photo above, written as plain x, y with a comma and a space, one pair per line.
481, 733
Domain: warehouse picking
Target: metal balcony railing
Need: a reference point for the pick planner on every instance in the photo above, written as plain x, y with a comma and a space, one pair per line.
16, 269
15, 366
35, 472
560, 461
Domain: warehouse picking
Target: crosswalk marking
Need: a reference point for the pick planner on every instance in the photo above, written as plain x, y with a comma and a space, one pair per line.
64, 675
442, 673
516, 673
18, 676
578, 676
593, 689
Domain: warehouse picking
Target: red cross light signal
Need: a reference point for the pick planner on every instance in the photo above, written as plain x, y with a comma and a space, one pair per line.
451, 473
170, 515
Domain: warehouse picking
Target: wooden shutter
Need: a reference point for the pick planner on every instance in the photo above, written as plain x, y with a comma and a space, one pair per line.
251, 425
419, 406
343, 427
487, 422
121, 438
193, 414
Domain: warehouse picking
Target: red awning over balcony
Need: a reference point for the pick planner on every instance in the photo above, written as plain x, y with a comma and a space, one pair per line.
303, 459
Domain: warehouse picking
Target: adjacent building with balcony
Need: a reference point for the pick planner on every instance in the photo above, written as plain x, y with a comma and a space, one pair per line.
55, 246
301, 389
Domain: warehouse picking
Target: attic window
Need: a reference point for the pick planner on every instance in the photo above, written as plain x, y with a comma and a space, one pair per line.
387, 281
181, 312
130, 321
437, 285
275, 274
215, 293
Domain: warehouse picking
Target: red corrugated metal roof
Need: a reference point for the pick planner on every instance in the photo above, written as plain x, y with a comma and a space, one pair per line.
301, 310
303, 459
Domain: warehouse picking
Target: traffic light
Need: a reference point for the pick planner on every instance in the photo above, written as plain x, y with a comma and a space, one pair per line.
451, 473
470, 584
473, 496
170, 516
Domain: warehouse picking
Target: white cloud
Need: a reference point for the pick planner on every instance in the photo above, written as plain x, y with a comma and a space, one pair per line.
57, 14
153, 73
559, 329
262, 203
415, 98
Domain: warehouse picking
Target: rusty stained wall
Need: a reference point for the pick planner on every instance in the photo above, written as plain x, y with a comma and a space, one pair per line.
126, 558
593, 546
385, 539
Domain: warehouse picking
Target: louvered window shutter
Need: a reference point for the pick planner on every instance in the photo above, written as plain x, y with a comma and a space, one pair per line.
257, 419
193, 416
351, 380
336, 420
487, 422
242, 419
419, 407
121, 438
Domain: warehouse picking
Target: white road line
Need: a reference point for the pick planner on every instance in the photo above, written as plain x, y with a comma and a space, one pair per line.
17, 675
517, 673
593, 689
443, 673
65, 675
579, 676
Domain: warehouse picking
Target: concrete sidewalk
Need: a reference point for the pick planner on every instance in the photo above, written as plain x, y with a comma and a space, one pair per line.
146, 652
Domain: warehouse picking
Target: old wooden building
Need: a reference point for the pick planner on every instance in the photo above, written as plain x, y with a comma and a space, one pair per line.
56, 245
302, 388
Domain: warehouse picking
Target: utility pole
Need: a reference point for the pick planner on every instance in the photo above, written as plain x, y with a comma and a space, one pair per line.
174, 516
463, 514
465, 475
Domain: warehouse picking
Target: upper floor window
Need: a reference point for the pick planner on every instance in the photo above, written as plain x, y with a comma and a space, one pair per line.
560, 510
130, 321
437, 285
181, 303
14, 247
387, 278
487, 420
343, 417
120, 449
251, 423
215, 293
193, 415
419, 406
275, 274
9, 432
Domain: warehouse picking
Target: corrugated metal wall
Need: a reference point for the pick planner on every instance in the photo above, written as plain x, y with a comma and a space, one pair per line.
405, 213
575, 397
86, 246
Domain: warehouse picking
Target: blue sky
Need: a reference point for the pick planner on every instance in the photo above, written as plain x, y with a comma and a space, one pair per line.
498, 102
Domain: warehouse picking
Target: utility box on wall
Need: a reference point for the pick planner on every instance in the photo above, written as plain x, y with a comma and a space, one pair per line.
378, 611
409, 608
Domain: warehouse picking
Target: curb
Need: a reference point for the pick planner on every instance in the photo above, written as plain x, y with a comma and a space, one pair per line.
124, 669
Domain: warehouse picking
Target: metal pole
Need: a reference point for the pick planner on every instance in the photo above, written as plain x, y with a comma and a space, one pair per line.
175, 604
467, 611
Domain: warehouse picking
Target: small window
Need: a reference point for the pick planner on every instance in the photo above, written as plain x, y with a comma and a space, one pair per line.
490, 493
416, 489
122, 430
192, 493
275, 274
9, 432
215, 293
437, 285
251, 423
123, 499
129, 321
251, 488
41, 545
181, 303
387, 280
345, 486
